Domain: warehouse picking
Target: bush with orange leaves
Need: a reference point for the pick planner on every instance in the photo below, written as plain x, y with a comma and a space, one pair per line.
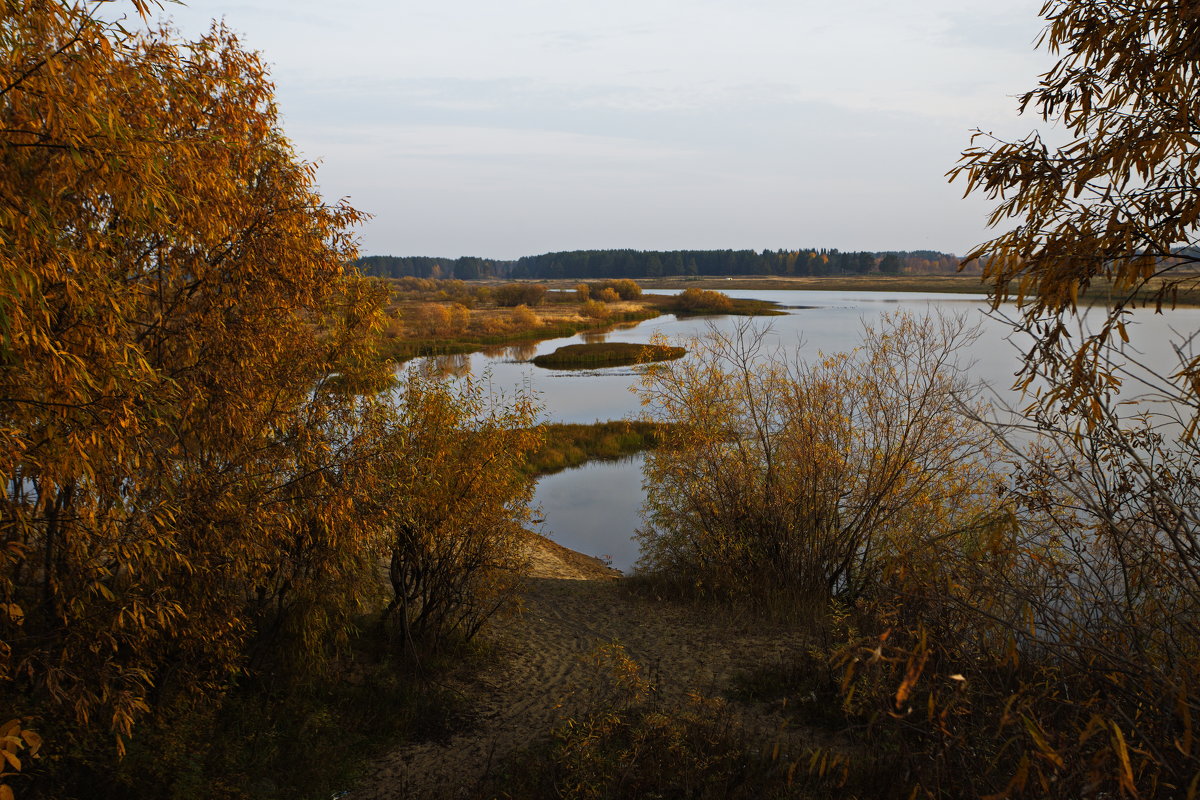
186, 391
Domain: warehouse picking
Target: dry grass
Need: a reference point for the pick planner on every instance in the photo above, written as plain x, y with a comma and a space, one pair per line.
421, 326
606, 354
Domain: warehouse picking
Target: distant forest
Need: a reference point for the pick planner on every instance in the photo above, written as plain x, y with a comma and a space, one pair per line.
658, 264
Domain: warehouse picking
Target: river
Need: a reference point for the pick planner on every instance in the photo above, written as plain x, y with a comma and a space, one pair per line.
595, 509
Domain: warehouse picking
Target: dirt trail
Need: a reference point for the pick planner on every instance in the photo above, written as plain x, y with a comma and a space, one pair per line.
574, 603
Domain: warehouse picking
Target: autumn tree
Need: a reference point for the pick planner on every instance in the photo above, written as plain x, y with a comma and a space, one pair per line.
802, 481
453, 522
890, 264
185, 378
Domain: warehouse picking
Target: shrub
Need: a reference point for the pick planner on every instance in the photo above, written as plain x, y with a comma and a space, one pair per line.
627, 289
805, 481
519, 294
624, 288
701, 301
595, 309
438, 320
453, 500
523, 317
1058, 645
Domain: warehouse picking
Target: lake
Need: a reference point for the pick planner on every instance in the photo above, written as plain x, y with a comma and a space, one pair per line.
596, 508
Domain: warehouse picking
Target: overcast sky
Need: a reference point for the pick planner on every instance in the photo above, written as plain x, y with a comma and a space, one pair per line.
502, 129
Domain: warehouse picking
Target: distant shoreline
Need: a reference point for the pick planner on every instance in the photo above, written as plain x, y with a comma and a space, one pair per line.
943, 284
1098, 294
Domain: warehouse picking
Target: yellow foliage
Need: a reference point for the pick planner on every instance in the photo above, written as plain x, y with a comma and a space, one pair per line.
595, 309
809, 480
432, 320
185, 366
1115, 204
459, 495
524, 318
14, 738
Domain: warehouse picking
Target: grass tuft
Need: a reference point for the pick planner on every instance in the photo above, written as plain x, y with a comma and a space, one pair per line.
606, 354
568, 446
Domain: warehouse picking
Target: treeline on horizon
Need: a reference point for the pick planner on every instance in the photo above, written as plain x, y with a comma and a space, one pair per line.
662, 264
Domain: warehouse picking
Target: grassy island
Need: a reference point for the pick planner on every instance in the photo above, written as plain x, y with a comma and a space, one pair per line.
606, 354
572, 445
427, 317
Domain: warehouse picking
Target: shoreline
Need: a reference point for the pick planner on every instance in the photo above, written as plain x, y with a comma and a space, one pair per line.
549, 559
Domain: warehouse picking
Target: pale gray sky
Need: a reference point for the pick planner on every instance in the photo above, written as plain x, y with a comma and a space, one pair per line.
502, 129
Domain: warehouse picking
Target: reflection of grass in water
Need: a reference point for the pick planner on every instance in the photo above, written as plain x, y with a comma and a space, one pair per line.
569, 446
595, 337
606, 354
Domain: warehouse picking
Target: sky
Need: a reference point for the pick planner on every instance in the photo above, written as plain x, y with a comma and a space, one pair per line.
503, 129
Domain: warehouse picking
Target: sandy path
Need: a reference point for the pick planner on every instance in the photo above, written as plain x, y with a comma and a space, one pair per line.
573, 604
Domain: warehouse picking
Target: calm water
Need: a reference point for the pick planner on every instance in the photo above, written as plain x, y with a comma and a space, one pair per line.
596, 508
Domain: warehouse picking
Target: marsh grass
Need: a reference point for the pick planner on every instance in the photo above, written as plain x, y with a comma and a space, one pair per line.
607, 354
432, 318
695, 301
568, 446
756, 308
402, 348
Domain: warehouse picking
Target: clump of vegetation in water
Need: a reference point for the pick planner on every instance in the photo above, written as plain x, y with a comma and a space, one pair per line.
609, 291
429, 317
607, 354
695, 302
511, 295
566, 446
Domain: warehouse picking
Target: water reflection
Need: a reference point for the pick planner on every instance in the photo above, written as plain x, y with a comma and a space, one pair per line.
522, 351
595, 337
453, 365
595, 509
